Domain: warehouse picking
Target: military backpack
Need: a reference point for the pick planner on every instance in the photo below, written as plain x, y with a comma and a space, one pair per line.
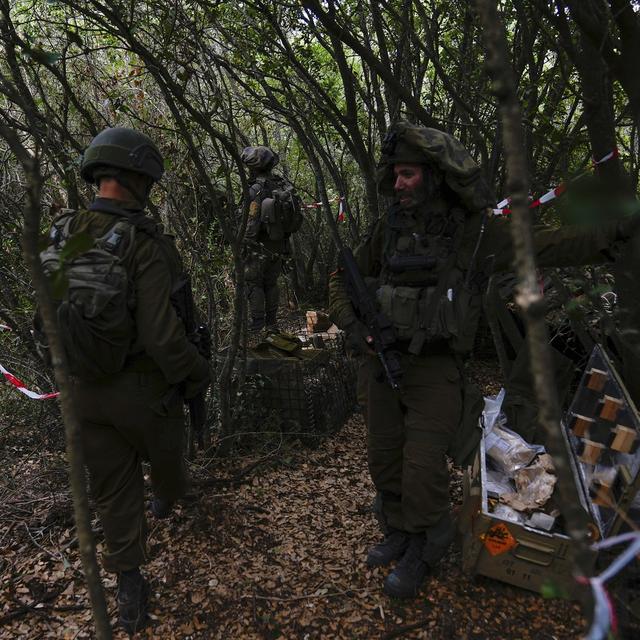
280, 209
93, 295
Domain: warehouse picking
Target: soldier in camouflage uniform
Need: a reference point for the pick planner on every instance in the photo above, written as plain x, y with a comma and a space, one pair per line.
264, 250
134, 414
428, 260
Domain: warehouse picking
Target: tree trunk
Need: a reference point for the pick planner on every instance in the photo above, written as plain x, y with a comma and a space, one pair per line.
529, 297
73, 436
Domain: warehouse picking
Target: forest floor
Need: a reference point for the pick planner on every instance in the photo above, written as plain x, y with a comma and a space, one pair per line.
276, 552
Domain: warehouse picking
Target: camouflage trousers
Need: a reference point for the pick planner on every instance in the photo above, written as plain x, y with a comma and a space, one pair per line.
125, 421
261, 275
409, 434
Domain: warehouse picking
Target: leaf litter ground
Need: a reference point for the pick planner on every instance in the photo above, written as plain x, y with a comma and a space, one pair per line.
275, 553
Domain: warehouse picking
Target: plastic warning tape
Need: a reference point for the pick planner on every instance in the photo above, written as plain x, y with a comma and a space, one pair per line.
502, 210
318, 205
19, 385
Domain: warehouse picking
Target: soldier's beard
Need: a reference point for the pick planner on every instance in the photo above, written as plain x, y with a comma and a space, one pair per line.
418, 197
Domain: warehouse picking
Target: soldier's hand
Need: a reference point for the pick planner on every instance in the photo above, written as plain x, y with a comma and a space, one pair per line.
358, 338
628, 227
199, 379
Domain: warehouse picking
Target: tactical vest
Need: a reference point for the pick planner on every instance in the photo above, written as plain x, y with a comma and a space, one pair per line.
423, 288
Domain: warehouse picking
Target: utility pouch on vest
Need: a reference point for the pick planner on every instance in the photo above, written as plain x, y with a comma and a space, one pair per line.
400, 264
400, 305
271, 220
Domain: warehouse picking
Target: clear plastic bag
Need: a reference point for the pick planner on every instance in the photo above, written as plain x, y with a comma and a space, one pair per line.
509, 451
507, 513
498, 483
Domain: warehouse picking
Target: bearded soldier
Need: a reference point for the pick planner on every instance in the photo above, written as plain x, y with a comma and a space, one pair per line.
274, 214
131, 361
428, 260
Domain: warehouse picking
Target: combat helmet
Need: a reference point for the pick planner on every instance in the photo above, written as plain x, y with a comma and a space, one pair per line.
121, 148
414, 144
259, 159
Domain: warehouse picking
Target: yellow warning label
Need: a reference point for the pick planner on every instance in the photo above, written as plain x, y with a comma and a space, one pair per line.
499, 539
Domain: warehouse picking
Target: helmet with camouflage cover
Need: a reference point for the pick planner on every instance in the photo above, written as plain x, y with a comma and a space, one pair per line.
259, 159
407, 143
121, 148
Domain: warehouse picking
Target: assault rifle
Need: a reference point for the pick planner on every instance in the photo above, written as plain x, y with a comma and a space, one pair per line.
200, 336
381, 334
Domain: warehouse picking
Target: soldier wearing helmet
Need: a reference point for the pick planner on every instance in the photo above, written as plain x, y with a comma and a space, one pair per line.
274, 214
429, 259
133, 355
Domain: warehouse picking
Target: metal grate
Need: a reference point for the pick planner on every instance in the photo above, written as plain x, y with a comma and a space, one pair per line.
314, 394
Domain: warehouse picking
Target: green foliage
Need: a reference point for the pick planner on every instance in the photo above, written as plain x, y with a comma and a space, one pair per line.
77, 244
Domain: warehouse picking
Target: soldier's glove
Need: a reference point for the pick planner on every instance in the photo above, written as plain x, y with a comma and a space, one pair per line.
198, 380
628, 227
358, 339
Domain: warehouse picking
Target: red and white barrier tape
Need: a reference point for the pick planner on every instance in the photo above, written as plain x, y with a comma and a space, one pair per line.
552, 194
317, 205
19, 385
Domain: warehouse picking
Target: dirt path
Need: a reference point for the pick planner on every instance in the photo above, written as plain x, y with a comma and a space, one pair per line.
280, 556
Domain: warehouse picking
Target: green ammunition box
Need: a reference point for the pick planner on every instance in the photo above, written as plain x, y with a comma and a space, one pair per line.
602, 433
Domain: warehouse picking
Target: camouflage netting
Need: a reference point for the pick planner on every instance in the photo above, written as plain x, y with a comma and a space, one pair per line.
409, 143
259, 158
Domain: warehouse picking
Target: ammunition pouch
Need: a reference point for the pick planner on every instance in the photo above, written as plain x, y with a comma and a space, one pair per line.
454, 319
400, 264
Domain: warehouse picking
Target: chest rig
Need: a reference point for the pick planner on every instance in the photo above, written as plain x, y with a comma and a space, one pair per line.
421, 284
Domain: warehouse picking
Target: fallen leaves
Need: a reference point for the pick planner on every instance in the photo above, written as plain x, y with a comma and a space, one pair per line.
280, 555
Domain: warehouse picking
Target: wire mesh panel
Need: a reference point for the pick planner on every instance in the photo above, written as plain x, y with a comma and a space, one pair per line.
313, 393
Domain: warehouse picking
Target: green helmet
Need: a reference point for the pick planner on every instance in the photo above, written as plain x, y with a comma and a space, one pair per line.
122, 148
408, 143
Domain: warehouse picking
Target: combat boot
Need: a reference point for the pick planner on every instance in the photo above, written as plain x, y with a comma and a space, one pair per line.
407, 578
133, 597
391, 548
161, 508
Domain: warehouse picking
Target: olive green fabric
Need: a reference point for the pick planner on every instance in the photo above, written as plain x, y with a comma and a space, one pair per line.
137, 414
263, 255
155, 268
261, 274
409, 434
257, 233
410, 431
567, 246
125, 421
94, 309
